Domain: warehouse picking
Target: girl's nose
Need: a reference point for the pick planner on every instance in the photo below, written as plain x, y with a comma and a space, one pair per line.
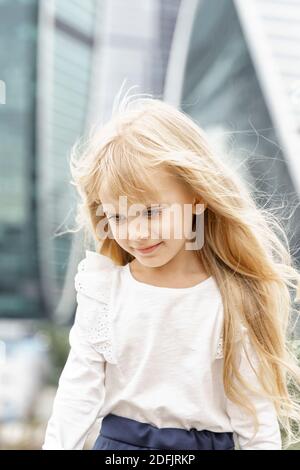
138, 230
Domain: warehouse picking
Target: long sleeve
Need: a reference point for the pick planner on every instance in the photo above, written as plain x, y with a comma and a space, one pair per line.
81, 387
79, 396
268, 436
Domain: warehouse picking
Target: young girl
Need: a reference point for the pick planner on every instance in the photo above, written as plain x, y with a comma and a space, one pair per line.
181, 337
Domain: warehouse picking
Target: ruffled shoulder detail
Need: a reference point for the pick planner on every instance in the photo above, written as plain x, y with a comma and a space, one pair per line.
219, 351
93, 274
93, 316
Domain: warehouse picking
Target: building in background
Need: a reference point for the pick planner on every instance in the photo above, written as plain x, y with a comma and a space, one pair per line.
19, 266
237, 73
45, 62
66, 52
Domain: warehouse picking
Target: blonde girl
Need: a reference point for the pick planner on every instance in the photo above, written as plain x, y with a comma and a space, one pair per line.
179, 342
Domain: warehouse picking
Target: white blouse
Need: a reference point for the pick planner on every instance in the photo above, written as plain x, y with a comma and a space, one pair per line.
149, 353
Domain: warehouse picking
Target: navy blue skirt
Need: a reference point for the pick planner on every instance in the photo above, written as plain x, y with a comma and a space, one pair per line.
120, 433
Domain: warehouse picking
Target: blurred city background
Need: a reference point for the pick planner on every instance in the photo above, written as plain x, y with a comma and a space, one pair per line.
233, 65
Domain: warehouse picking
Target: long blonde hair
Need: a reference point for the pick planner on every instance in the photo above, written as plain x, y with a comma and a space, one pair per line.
246, 248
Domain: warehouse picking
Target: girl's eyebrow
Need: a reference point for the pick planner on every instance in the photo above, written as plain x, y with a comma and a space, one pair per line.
152, 204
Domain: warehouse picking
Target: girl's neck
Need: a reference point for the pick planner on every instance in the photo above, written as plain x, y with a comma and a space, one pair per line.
180, 271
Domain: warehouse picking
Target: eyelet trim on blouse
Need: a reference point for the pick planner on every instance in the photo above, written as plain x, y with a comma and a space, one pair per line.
219, 353
95, 315
220, 350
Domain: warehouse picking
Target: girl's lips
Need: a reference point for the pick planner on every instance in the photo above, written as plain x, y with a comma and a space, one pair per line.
149, 249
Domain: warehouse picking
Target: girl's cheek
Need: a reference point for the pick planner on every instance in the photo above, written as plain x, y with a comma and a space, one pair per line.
174, 226
181, 227
122, 232
155, 229
118, 232
188, 227
161, 228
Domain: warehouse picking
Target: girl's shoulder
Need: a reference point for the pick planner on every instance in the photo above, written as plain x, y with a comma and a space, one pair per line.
93, 282
94, 275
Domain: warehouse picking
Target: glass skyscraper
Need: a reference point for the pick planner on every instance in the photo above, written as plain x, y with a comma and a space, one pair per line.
45, 63
238, 75
19, 267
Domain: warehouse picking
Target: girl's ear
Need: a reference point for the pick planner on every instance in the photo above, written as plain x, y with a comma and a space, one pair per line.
201, 208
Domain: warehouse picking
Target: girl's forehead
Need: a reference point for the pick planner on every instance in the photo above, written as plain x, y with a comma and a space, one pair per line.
164, 195
157, 186
145, 200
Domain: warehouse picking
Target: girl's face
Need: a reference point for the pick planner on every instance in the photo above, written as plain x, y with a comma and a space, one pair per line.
165, 225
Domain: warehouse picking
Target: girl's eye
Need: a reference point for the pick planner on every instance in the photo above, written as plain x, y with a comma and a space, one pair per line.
154, 211
150, 212
115, 218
